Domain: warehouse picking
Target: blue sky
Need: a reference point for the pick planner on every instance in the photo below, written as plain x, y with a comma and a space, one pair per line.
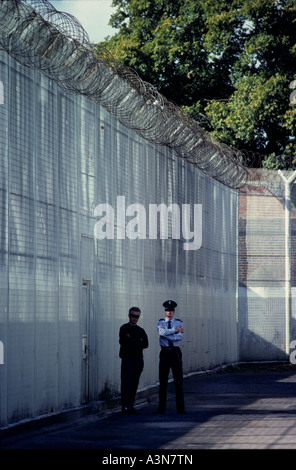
94, 15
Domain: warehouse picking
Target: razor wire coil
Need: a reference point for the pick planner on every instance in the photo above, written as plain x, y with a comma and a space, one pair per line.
38, 36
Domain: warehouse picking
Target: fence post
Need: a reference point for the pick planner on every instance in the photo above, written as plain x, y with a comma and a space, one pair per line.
288, 182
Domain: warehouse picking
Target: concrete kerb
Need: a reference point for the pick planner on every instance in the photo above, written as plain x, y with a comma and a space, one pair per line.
65, 417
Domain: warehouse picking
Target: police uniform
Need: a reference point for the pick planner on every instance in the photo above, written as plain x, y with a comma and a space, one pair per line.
170, 358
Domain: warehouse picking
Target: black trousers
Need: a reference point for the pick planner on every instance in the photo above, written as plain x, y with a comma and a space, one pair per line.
171, 358
131, 370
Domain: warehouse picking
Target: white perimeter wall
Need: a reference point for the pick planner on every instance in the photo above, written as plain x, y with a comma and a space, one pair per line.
61, 156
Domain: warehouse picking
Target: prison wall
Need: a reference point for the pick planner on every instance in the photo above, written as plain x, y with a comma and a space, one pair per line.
262, 277
64, 293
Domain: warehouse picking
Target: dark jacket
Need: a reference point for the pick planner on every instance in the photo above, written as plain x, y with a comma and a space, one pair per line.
133, 340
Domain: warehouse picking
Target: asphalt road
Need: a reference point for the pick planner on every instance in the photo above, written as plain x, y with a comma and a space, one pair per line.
247, 408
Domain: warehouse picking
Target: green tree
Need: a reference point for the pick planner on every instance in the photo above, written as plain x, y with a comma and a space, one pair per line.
163, 42
257, 115
230, 61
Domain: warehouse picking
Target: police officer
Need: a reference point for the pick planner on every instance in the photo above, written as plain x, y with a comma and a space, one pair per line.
170, 332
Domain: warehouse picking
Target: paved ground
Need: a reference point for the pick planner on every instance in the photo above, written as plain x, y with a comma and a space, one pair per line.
244, 408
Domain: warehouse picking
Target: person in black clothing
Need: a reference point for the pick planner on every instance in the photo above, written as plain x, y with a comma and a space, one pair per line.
133, 340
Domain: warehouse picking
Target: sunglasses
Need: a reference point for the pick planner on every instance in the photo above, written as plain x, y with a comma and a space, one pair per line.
134, 316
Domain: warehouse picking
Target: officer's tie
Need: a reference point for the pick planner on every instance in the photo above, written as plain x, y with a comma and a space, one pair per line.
171, 344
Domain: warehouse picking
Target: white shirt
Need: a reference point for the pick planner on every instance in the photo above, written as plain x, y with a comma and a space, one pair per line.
166, 334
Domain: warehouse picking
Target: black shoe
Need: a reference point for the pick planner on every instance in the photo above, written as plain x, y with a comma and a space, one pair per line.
124, 411
132, 411
159, 412
182, 412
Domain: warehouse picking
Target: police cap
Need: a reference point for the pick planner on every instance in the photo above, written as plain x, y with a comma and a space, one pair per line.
169, 305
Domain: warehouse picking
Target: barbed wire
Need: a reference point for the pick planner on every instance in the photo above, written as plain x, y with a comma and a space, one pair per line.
66, 23
39, 36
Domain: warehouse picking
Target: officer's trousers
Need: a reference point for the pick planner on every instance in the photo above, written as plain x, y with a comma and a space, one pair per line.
171, 358
131, 370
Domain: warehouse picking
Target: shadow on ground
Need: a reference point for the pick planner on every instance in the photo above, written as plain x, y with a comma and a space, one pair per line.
243, 407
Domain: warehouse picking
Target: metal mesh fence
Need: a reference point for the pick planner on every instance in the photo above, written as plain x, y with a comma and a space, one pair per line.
61, 156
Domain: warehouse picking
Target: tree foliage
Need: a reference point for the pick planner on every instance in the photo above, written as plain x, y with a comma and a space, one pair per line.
230, 61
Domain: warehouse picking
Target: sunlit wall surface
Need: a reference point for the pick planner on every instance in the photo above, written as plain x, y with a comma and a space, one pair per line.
65, 293
265, 331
